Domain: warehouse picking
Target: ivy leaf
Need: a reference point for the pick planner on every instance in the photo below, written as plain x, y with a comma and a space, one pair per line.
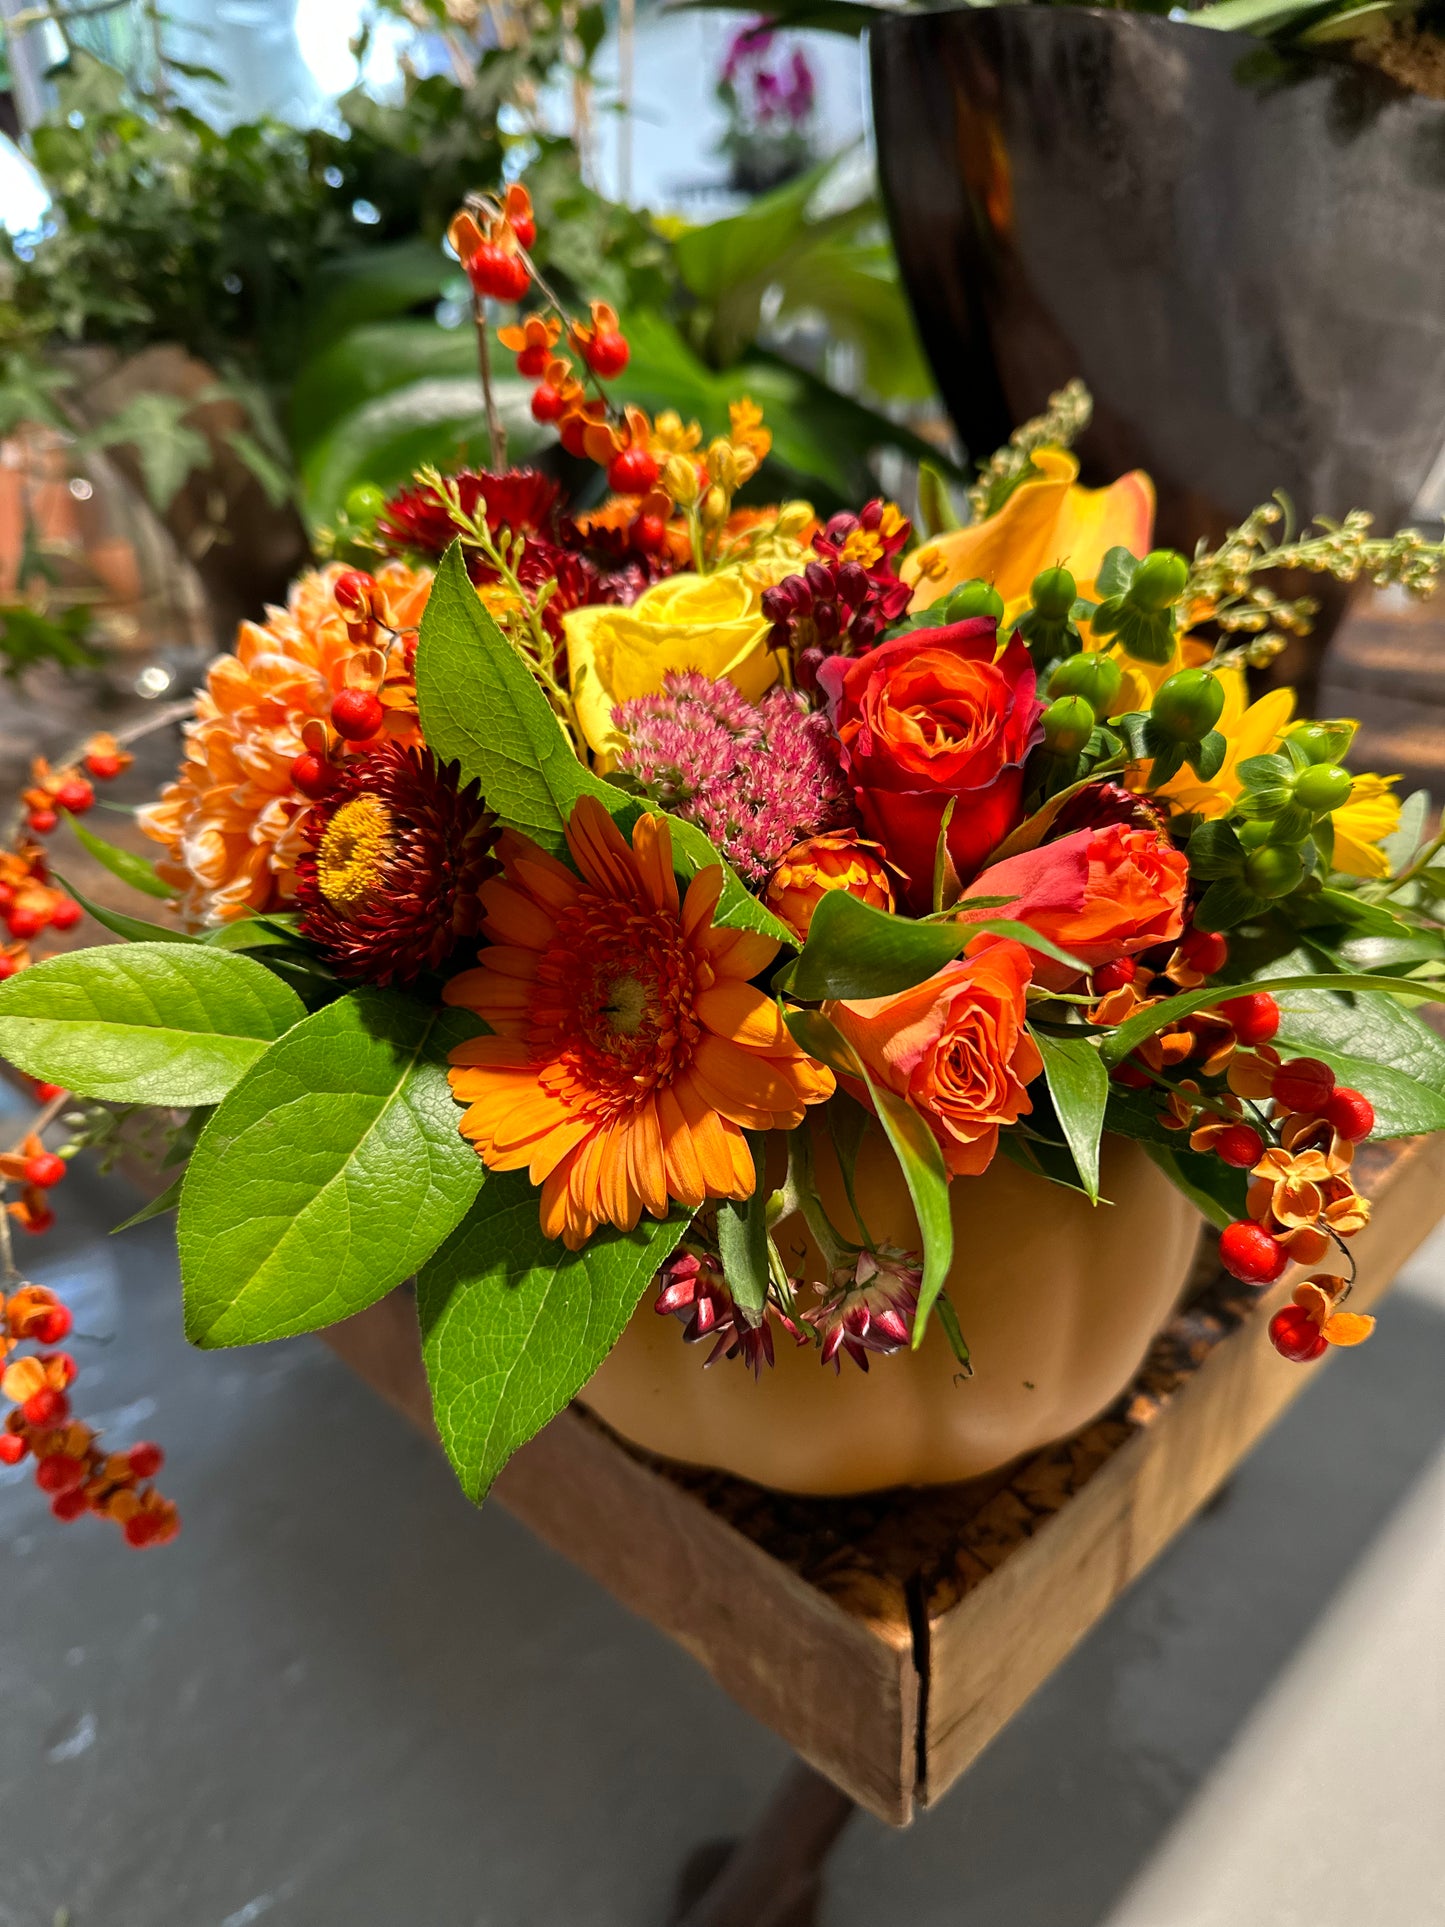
330, 1172
167, 450
513, 1324
1079, 1086
914, 1145
145, 1023
125, 864
482, 708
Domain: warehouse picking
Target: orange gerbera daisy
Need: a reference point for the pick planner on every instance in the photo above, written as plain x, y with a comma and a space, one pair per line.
631, 1052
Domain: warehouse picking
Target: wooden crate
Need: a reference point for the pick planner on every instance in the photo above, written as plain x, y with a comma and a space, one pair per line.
905, 1629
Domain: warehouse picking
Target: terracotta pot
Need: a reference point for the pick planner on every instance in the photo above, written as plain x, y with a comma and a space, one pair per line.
1058, 1300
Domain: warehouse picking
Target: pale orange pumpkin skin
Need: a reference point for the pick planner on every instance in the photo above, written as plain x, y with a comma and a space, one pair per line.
1057, 1298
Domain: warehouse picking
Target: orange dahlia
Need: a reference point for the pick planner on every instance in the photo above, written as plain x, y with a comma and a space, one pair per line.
631, 1050
231, 821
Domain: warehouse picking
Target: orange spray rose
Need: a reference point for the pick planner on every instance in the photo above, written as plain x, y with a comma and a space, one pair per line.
956, 1047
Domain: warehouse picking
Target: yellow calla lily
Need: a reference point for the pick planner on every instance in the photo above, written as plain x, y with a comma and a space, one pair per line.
1048, 520
709, 623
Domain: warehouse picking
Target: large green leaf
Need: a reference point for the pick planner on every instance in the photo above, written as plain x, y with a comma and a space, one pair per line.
328, 1174
437, 419
1375, 1045
356, 367
481, 707
373, 283
854, 949
1171, 1010
1079, 1087
513, 1324
914, 1145
144, 1023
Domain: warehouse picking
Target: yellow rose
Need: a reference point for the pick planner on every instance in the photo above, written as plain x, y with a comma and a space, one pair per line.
709, 623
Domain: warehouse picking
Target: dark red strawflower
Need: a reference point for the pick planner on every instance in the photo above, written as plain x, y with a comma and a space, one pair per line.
388, 888
868, 1306
522, 500
693, 1290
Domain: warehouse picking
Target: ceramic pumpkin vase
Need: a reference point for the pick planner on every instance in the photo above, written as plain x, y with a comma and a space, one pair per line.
1058, 1299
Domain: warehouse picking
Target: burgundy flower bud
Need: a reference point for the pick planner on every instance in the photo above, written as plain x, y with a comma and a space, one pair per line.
825, 621
851, 584
819, 578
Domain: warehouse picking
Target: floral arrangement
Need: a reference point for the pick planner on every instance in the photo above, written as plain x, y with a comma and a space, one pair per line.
554, 897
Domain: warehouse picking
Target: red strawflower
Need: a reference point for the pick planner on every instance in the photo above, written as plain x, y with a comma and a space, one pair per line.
693, 1290
522, 500
398, 853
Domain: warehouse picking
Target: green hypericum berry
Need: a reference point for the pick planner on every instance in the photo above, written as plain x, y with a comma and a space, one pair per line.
976, 598
1098, 679
1158, 581
364, 503
1323, 787
1273, 871
1322, 742
1053, 593
1188, 706
1068, 724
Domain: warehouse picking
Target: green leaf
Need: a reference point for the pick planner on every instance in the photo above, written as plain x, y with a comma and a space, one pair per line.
168, 1200
481, 707
1211, 1187
854, 949
147, 1023
1401, 844
125, 864
1171, 1010
1375, 1045
1020, 933
513, 1324
1225, 904
133, 929
1206, 759
167, 449
1079, 1086
1116, 572
914, 1145
330, 1172
742, 1236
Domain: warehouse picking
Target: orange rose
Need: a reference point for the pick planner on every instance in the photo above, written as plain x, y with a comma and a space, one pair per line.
836, 860
1099, 894
956, 1047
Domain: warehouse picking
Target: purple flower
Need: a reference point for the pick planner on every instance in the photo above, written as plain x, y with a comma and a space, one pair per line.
756, 779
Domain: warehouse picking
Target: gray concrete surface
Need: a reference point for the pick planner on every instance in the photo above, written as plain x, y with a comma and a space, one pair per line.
341, 1699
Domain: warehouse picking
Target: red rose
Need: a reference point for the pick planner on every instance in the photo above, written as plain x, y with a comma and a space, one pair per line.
1099, 894
926, 718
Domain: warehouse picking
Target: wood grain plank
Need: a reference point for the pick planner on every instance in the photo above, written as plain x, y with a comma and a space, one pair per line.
836, 1681
993, 1644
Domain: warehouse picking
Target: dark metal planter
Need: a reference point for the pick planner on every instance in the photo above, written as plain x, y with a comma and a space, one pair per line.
1243, 257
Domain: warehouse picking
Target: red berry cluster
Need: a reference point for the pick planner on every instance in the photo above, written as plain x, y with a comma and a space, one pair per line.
37, 1171
493, 252
385, 656
842, 602
70, 1467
